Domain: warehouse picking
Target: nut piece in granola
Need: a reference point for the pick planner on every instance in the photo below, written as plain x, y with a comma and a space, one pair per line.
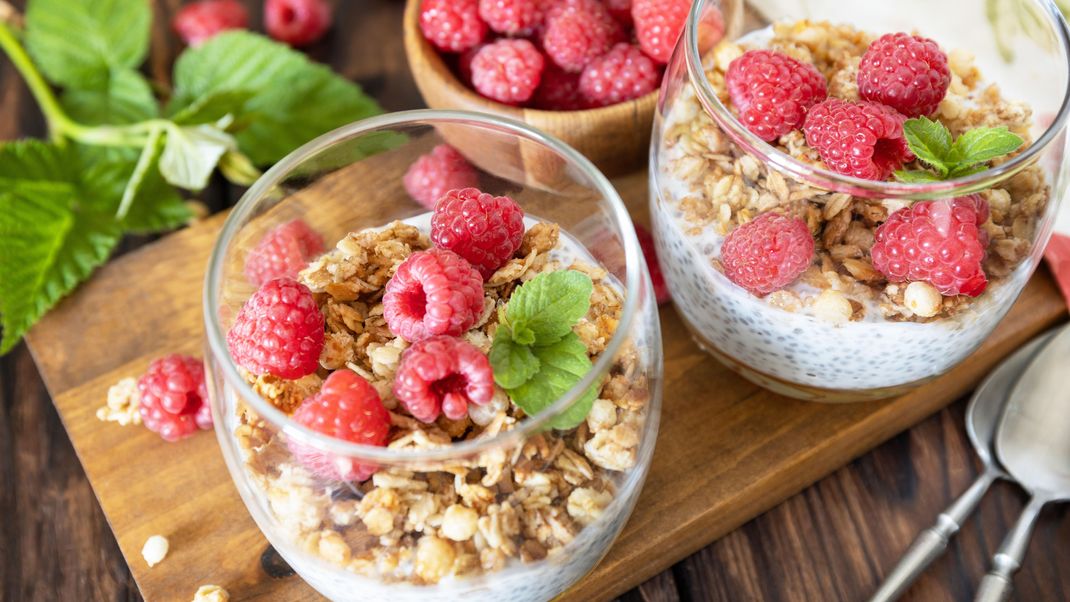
211, 593
122, 404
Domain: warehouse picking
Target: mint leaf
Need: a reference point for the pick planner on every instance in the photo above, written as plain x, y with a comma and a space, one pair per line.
930, 141
544, 309
76, 43
291, 99
561, 366
122, 97
513, 363
916, 176
191, 154
981, 145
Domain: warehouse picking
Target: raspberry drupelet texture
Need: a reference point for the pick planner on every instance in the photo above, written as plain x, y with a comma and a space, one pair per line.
578, 31
621, 74
452, 25
558, 90
347, 407
433, 292
484, 229
297, 22
939, 242
621, 11
174, 398
197, 21
767, 253
278, 331
905, 72
442, 375
658, 24
284, 251
507, 71
773, 91
433, 174
511, 17
861, 139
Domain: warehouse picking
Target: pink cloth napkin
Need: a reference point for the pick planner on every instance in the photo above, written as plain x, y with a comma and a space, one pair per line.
1058, 255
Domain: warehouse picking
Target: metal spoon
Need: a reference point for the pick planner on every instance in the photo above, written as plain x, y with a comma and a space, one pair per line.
1033, 444
982, 416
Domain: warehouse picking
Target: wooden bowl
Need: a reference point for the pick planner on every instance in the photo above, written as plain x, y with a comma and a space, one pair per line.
615, 138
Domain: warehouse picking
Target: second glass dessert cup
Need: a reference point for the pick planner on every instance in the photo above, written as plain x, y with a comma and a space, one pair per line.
842, 331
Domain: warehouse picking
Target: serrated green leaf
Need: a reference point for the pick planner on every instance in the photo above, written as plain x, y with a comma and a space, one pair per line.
916, 176
124, 96
77, 43
292, 99
513, 364
967, 171
930, 141
191, 154
213, 107
981, 145
548, 305
561, 366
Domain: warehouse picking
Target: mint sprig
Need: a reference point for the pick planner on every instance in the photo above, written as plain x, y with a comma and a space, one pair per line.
535, 355
931, 142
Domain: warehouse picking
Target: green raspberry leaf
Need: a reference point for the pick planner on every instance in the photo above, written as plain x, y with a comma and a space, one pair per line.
123, 97
213, 107
561, 366
930, 141
77, 43
548, 306
981, 145
513, 363
916, 176
191, 154
291, 99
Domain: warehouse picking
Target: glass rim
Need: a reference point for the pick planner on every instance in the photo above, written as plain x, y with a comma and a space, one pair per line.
216, 336
835, 182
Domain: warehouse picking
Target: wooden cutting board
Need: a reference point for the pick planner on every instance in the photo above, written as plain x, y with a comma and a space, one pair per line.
727, 450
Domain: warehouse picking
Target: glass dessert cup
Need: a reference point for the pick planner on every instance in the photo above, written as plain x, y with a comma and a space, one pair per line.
841, 331
499, 507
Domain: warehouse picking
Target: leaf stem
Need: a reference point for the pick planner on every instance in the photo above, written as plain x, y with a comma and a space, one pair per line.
57, 120
144, 162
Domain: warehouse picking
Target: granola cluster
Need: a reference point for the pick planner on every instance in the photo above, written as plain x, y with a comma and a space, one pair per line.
423, 524
723, 186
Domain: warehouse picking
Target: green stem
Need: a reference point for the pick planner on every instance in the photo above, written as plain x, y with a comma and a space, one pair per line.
143, 163
57, 120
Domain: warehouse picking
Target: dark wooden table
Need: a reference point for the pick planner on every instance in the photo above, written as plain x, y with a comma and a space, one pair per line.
833, 541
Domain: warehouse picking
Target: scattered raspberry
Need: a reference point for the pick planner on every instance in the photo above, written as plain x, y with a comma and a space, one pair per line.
558, 90
297, 22
346, 408
767, 253
284, 251
621, 11
908, 73
278, 331
197, 21
443, 374
773, 91
482, 228
437, 172
621, 74
452, 25
939, 242
174, 397
507, 70
433, 292
861, 139
658, 24
578, 31
650, 254
511, 17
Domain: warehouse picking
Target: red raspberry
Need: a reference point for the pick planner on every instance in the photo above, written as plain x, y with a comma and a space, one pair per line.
861, 139
278, 331
511, 17
621, 74
939, 242
437, 172
174, 397
297, 22
908, 73
767, 253
658, 24
346, 408
578, 31
284, 251
197, 21
773, 91
433, 292
443, 374
484, 229
507, 71
558, 90
621, 11
452, 25
650, 254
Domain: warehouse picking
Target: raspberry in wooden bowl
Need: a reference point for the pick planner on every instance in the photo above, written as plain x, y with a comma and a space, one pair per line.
459, 398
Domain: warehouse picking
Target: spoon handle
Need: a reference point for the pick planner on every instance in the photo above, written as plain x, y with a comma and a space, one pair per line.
996, 585
932, 542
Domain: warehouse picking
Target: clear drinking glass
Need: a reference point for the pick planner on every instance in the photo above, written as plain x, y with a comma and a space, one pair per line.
842, 332
494, 508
